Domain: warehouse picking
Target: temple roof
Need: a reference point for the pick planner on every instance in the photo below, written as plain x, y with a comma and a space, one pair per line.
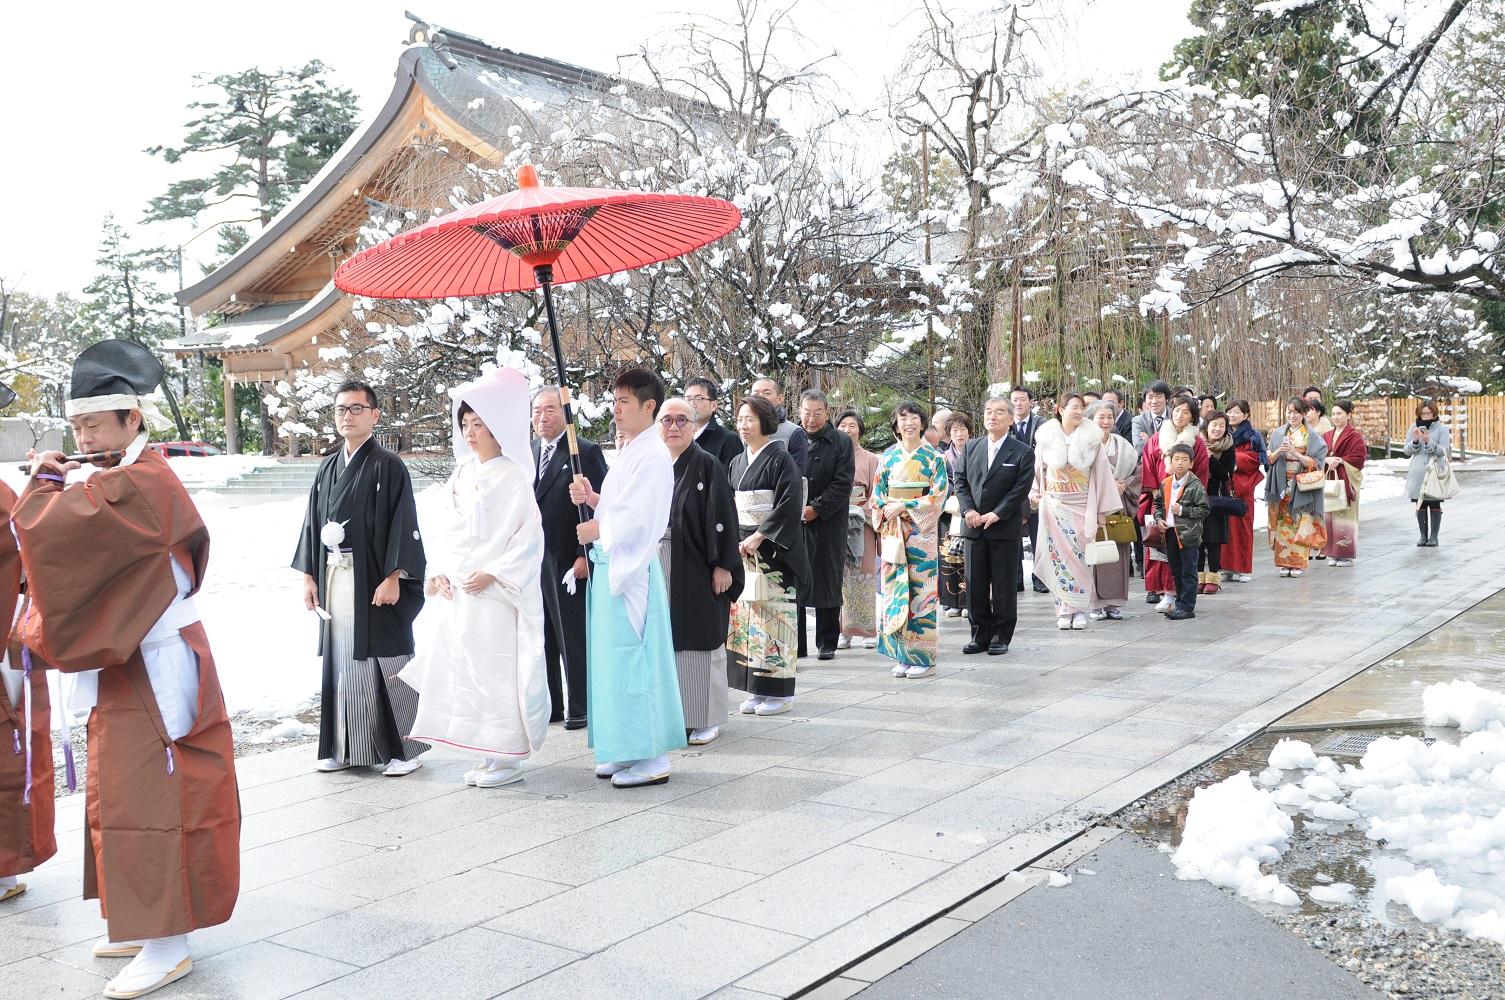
476, 86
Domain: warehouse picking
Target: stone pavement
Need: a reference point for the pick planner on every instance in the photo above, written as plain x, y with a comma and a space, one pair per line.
1130, 929
793, 847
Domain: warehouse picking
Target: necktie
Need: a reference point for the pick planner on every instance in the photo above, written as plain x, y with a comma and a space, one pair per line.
1019, 429
544, 458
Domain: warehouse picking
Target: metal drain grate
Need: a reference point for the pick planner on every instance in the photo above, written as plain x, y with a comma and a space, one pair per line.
1354, 744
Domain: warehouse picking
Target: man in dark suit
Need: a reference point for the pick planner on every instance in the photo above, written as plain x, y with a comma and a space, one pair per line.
992, 489
1024, 423
564, 613
710, 434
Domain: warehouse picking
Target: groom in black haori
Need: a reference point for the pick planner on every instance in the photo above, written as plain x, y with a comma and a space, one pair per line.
362, 559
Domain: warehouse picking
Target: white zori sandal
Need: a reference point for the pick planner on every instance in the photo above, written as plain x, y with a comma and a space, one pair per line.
160, 962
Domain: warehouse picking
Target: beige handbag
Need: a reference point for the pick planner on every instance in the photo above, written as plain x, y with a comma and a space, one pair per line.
1103, 551
891, 549
1334, 493
755, 583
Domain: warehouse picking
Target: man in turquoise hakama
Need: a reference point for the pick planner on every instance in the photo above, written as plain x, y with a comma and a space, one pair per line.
632, 687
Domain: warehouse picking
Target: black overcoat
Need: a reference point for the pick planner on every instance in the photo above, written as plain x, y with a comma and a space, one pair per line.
830, 475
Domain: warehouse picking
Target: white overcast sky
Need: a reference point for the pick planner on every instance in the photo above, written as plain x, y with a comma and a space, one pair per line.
89, 85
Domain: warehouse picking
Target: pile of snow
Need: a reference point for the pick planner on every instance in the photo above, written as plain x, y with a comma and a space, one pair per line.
287, 729
209, 472
1462, 704
1293, 755
1438, 811
1231, 829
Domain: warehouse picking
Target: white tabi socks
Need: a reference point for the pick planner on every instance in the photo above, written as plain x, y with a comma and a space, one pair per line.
10, 887
654, 771
161, 961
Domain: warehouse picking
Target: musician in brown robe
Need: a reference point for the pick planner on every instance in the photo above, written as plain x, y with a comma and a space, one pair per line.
26, 801
112, 561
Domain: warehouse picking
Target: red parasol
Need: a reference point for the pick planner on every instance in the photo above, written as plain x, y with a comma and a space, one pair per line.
537, 236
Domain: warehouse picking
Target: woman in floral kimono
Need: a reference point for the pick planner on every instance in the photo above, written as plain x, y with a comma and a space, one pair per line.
762, 644
1112, 579
1347, 452
1075, 491
1295, 515
906, 511
1180, 427
859, 585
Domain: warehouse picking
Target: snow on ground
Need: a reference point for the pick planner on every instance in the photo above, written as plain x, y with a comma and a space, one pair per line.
1232, 828
208, 472
1436, 814
265, 643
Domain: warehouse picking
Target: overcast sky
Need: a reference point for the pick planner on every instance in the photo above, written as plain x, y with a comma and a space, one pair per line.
89, 85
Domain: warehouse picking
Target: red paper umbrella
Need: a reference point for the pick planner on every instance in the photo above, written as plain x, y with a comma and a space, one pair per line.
536, 237
498, 245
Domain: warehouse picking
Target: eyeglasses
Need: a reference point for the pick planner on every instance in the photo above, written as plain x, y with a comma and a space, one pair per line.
674, 420
354, 411
697, 399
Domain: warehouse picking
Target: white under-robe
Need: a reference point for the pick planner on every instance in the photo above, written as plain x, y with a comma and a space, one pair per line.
632, 514
480, 680
171, 665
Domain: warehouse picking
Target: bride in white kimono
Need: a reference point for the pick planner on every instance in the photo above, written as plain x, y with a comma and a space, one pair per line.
481, 682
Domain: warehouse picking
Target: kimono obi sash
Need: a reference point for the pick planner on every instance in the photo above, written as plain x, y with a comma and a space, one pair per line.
753, 506
908, 491
1068, 479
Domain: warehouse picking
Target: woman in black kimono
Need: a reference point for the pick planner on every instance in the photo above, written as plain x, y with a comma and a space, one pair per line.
762, 644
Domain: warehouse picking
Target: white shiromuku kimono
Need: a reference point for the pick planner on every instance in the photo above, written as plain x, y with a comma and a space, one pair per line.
632, 683
480, 681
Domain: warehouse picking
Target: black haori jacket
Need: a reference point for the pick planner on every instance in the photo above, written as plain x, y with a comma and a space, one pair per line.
373, 498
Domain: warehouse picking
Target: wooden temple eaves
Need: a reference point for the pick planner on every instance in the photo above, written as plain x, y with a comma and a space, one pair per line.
266, 311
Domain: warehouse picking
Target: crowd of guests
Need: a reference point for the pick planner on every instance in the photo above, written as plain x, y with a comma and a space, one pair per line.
774, 521
1094, 496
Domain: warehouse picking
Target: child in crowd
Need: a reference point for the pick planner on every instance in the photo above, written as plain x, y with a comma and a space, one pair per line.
1180, 509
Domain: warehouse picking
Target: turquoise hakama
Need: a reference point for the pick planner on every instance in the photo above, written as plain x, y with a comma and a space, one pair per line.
632, 684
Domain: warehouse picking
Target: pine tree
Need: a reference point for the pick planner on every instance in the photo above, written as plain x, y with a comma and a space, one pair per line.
125, 299
1304, 54
277, 128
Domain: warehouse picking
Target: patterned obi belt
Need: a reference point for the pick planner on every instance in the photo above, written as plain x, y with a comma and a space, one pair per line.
908, 491
753, 506
1066, 480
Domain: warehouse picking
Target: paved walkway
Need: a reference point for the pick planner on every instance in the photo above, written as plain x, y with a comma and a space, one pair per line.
793, 847
1090, 938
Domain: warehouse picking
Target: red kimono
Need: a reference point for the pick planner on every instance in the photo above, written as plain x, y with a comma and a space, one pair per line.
26, 837
162, 853
1343, 526
1154, 469
1238, 551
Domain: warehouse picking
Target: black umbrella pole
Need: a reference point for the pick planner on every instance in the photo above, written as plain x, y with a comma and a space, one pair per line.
545, 275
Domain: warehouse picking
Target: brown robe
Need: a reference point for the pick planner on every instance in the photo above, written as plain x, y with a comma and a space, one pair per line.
26, 831
163, 847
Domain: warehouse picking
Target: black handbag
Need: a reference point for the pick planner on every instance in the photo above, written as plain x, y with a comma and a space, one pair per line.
1220, 506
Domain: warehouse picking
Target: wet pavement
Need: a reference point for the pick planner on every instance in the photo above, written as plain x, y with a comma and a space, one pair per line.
795, 846
1471, 648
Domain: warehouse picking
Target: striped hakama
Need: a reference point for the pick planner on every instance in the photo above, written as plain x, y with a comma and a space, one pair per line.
368, 695
702, 672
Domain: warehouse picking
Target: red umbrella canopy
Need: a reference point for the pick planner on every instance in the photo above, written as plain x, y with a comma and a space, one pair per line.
494, 246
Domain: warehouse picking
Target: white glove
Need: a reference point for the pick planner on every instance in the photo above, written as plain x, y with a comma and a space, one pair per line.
568, 583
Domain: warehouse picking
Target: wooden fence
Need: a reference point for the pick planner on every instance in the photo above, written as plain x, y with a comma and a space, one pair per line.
1477, 422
